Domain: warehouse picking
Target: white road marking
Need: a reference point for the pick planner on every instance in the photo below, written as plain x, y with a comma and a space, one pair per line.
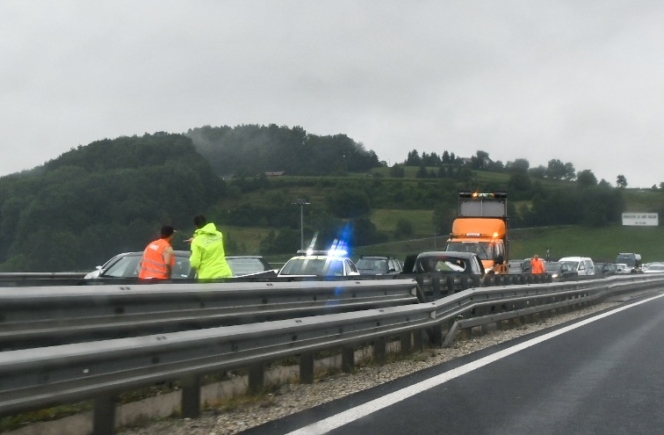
350, 415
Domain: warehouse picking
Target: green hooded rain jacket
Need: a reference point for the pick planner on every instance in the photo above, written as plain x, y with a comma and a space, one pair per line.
207, 254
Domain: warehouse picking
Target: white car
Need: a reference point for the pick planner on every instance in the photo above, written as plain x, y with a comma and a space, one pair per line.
653, 268
319, 263
583, 265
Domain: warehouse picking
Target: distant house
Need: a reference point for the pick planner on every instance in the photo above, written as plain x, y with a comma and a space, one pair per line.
275, 173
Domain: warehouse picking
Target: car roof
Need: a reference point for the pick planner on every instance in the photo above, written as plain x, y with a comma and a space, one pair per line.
458, 254
178, 253
574, 258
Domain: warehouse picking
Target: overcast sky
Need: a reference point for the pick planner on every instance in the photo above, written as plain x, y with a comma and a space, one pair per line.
581, 81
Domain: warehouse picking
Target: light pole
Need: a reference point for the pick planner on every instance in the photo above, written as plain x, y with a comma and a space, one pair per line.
301, 202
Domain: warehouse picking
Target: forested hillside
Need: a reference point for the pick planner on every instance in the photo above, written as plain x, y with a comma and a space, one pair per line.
97, 200
110, 196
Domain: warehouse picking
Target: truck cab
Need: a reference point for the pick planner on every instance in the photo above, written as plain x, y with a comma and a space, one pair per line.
632, 260
481, 228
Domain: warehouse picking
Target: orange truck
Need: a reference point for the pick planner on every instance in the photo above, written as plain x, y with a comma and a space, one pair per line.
481, 227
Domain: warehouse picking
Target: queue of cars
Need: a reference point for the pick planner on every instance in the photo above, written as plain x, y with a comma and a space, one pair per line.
336, 263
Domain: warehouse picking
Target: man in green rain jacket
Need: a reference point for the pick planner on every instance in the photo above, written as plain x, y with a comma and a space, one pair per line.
207, 251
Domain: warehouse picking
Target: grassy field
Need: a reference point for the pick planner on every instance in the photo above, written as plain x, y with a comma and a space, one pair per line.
386, 221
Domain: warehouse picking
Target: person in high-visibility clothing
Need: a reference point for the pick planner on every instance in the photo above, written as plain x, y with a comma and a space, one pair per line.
537, 266
158, 258
207, 251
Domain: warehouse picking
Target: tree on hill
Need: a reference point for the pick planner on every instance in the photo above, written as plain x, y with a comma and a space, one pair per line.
586, 178
518, 165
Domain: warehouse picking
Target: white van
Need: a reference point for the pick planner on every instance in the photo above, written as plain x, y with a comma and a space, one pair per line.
583, 265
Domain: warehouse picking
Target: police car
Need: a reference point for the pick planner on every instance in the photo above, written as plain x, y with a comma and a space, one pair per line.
313, 263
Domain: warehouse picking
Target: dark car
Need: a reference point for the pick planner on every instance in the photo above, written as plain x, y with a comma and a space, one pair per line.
561, 271
452, 262
441, 273
378, 265
127, 265
606, 269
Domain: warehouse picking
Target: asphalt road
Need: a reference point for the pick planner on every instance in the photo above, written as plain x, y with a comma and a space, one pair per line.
599, 375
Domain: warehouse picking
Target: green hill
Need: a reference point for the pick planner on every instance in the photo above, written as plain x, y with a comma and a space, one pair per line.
111, 196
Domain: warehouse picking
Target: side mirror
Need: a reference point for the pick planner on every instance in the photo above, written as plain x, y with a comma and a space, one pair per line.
500, 259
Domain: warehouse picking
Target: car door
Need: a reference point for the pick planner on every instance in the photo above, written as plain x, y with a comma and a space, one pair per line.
351, 269
582, 268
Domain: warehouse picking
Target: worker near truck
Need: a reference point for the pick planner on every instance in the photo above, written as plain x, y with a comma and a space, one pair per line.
537, 266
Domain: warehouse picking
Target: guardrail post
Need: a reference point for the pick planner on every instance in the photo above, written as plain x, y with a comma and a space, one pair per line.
418, 342
406, 346
256, 378
435, 285
347, 359
191, 397
436, 335
380, 350
449, 338
103, 415
307, 368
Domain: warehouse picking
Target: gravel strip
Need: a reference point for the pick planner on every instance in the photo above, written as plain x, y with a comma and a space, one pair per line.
292, 398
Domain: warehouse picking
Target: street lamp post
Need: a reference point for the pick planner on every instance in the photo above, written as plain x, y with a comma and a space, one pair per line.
301, 202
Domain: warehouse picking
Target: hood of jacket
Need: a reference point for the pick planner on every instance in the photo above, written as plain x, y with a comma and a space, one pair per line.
208, 229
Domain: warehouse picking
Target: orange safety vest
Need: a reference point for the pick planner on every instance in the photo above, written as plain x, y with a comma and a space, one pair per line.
536, 266
152, 263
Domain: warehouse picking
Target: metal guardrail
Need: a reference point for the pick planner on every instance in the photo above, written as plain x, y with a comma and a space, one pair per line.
23, 279
42, 377
38, 316
36, 378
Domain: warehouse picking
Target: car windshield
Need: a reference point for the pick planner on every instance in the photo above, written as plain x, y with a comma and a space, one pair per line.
128, 267
245, 266
573, 264
312, 266
443, 264
482, 249
376, 264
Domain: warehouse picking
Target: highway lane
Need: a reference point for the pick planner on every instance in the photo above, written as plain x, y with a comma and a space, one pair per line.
600, 375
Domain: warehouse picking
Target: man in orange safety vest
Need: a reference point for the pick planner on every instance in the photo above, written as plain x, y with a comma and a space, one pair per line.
158, 258
537, 265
